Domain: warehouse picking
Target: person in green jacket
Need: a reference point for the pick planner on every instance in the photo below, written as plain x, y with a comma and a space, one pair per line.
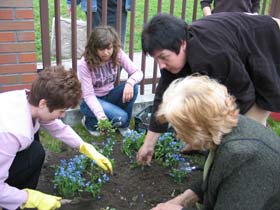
243, 166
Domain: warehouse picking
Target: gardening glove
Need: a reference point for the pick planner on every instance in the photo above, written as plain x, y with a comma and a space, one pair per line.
101, 161
41, 201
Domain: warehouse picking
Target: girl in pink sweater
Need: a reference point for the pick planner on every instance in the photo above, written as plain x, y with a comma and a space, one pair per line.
97, 71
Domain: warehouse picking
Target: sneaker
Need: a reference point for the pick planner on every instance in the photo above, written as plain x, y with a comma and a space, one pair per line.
125, 131
93, 133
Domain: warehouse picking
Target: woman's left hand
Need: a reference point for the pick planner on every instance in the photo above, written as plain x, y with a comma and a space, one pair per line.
127, 93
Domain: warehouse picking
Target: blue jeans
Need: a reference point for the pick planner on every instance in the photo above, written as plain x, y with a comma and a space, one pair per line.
111, 17
117, 112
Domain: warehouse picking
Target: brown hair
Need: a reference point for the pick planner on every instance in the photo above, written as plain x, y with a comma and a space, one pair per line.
100, 38
59, 87
200, 109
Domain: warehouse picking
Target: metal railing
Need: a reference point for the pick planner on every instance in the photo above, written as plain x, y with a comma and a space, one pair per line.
45, 37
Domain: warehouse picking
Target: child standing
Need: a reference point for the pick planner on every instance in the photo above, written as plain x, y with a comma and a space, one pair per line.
97, 71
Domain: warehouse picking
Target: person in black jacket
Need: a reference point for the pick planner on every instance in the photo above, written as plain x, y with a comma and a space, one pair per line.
239, 50
243, 166
250, 6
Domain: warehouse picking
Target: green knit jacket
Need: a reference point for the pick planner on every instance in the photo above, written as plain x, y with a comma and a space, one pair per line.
245, 173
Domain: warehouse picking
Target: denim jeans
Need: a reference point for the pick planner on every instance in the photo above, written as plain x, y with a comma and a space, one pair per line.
117, 112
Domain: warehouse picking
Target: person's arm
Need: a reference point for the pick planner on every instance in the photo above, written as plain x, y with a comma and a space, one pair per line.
206, 11
145, 153
66, 134
180, 202
88, 91
186, 199
206, 7
255, 6
135, 75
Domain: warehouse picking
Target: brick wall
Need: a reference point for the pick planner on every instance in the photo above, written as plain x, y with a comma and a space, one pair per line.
17, 45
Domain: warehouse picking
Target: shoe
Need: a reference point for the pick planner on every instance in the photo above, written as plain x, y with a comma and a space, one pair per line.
93, 133
125, 131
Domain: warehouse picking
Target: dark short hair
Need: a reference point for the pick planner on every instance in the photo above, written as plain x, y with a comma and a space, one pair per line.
163, 31
59, 87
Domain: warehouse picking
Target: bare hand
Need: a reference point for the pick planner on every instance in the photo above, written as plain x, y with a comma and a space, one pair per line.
145, 155
167, 206
127, 93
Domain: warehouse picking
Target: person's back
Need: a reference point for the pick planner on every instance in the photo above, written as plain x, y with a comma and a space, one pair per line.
250, 6
228, 44
250, 150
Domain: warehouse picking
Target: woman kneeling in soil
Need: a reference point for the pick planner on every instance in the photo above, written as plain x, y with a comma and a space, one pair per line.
243, 166
21, 157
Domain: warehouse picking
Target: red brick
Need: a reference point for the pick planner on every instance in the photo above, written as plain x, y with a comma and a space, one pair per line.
15, 87
6, 14
8, 58
7, 37
17, 47
9, 79
24, 14
25, 36
27, 78
27, 57
18, 68
16, 3
17, 25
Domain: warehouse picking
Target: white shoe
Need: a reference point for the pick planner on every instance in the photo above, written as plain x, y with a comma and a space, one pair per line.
125, 131
93, 133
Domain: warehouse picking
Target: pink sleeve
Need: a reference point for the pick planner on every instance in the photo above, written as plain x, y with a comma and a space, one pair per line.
134, 73
63, 132
89, 96
10, 197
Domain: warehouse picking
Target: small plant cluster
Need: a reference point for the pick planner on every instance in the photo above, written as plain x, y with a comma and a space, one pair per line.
80, 174
106, 128
167, 153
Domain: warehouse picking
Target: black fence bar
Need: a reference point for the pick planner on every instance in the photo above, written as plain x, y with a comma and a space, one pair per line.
45, 37
57, 31
119, 18
184, 7
74, 34
104, 12
274, 9
89, 18
143, 61
172, 2
194, 10
132, 27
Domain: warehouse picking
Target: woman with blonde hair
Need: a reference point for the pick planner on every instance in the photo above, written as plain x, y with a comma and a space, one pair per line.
243, 166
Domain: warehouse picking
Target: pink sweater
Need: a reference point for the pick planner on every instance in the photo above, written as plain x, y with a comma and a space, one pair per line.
16, 134
100, 81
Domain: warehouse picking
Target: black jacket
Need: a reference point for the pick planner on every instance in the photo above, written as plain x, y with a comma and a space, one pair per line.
241, 51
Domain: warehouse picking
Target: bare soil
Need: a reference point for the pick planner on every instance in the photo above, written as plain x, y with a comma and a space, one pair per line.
129, 188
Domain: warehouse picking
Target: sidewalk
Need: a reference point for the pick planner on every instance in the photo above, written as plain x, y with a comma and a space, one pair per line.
73, 116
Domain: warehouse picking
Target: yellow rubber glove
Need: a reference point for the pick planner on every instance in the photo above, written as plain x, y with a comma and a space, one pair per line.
101, 160
41, 201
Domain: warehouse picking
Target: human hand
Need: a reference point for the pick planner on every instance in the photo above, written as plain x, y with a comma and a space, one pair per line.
127, 93
41, 201
145, 155
167, 206
101, 160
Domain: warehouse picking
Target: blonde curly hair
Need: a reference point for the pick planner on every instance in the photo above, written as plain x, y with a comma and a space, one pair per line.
200, 109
